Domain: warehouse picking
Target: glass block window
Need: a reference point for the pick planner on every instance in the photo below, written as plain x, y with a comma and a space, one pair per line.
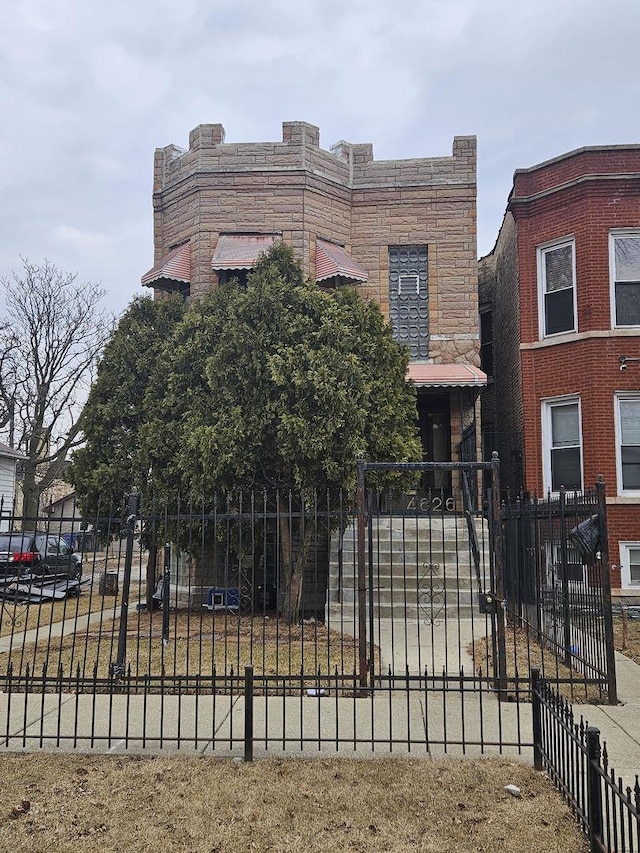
408, 298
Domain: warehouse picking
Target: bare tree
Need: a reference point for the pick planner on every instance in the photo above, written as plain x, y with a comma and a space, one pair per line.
8, 362
50, 341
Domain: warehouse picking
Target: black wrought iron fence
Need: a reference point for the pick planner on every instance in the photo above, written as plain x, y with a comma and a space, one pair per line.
571, 752
355, 600
557, 589
267, 580
256, 714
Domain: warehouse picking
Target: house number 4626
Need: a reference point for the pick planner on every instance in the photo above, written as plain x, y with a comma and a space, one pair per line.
431, 504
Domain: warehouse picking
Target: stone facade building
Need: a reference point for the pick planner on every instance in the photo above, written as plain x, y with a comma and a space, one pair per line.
560, 320
402, 231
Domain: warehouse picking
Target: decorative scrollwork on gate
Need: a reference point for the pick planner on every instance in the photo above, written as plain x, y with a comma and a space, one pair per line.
432, 594
13, 619
245, 589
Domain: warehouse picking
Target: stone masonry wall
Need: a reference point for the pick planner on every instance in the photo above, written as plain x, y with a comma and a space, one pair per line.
300, 191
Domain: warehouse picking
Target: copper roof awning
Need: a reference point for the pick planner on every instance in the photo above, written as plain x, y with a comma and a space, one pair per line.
240, 251
332, 261
446, 375
172, 271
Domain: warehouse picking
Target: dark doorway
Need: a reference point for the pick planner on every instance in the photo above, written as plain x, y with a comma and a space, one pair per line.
434, 413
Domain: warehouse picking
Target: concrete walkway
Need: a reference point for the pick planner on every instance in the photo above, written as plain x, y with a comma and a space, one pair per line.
446, 646
620, 724
416, 645
381, 724
412, 721
74, 624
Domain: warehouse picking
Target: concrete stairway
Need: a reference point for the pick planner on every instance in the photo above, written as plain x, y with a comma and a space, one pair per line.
423, 568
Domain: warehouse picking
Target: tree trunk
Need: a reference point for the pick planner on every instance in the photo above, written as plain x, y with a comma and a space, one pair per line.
30, 496
152, 565
293, 564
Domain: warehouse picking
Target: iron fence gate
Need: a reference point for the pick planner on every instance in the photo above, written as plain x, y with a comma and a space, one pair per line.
349, 622
558, 590
428, 589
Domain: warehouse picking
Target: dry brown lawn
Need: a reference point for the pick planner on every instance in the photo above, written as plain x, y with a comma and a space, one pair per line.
627, 637
198, 644
53, 802
18, 616
524, 654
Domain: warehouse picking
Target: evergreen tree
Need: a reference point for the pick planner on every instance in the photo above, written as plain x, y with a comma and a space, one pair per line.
277, 385
112, 462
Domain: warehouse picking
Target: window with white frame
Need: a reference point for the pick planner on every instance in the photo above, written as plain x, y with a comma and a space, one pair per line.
562, 444
628, 442
557, 290
624, 255
629, 564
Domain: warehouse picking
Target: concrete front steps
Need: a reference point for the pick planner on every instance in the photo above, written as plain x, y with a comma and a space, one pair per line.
423, 568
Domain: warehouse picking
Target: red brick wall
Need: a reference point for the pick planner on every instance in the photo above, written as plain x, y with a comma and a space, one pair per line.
606, 160
584, 196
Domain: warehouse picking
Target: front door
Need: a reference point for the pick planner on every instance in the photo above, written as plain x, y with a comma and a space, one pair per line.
434, 414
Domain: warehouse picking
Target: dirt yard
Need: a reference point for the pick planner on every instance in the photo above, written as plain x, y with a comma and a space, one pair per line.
626, 635
71, 803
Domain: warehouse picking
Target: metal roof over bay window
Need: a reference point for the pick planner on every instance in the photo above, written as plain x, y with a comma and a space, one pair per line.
240, 251
172, 272
333, 262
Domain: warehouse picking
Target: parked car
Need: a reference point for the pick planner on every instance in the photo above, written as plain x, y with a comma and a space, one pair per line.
40, 554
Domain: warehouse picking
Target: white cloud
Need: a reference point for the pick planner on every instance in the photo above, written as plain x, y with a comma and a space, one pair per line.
83, 240
89, 91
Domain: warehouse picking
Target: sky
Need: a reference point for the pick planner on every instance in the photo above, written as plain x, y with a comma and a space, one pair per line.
88, 90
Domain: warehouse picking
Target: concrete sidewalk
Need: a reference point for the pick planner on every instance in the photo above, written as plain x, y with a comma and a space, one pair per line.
619, 724
384, 723
446, 646
413, 723
64, 628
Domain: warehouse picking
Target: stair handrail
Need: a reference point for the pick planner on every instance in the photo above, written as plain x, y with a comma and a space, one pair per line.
473, 533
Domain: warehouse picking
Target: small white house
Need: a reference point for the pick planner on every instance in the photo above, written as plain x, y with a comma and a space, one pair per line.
64, 513
9, 459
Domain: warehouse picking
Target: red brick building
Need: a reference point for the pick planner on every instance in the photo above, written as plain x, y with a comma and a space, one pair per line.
402, 231
560, 321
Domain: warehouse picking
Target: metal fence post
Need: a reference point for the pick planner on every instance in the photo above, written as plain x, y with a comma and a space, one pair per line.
118, 668
166, 583
498, 561
248, 713
606, 591
594, 789
536, 711
372, 648
566, 613
362, 580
